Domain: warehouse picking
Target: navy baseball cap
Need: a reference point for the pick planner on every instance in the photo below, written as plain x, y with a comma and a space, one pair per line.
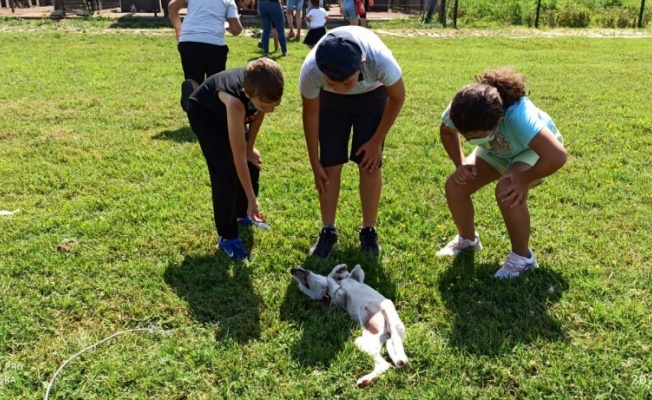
339, 56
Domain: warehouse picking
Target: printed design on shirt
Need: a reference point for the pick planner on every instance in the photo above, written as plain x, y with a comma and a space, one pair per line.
249, 118
500, 146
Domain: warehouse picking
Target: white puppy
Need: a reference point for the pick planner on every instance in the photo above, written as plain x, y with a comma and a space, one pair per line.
375, 314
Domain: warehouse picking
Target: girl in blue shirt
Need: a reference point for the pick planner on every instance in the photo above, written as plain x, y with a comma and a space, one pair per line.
517, 145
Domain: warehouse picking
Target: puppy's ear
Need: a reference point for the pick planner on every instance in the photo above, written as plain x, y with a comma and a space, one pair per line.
301, 276
357, 274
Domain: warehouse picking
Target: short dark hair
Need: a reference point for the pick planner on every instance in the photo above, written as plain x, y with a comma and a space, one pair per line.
263, 80
314, 3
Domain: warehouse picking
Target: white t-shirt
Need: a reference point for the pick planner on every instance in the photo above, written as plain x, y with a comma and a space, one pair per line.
380, 68
319, 16
205, 19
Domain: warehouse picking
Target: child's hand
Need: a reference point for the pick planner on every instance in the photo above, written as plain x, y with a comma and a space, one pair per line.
464, 173
253, 210
515, 193
372, 155
321, 179
253, 156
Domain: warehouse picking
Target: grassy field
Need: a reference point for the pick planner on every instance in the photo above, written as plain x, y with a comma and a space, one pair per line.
115, 232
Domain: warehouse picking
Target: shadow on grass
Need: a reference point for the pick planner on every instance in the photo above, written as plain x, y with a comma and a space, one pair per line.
220, 292
130, 21
325, 330
181, 135
491, 316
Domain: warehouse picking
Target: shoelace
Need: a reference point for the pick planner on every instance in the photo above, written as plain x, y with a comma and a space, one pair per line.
515, 263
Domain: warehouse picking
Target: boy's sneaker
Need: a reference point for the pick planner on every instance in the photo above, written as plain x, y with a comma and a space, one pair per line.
369, 241
233, 248
516, 265
325, 243
459, 244
187, 87
247, 222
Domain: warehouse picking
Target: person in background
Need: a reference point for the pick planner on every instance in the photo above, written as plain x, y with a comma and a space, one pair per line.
517, 145
200, 37
271, 14
316, 18
294, 7
347, 10
363, 17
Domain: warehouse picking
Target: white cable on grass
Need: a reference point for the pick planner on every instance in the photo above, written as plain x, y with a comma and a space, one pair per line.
151, 329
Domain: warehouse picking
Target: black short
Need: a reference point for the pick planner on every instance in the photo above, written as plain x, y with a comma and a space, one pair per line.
314, 35
338, 113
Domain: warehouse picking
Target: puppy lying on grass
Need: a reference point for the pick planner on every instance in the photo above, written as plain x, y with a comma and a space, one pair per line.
375, 314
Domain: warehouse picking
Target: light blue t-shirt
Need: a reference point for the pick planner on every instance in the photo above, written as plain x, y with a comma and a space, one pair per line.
523, 120
204, 21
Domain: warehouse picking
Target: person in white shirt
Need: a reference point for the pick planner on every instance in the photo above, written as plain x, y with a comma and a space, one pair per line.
200, 37
316, 18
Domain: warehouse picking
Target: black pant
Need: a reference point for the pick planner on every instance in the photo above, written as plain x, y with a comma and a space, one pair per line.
201, 60
229, 198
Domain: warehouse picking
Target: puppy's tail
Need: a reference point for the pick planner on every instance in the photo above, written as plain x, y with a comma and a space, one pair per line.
397, 331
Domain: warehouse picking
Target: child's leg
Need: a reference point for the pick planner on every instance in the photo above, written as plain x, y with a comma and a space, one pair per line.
214, 141
459, 196
517, 219
275, 36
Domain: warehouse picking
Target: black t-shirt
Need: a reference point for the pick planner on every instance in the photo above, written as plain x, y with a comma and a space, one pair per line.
230, 82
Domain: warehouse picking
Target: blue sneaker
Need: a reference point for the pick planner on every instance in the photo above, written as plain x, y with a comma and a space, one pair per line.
247, 222
233, 248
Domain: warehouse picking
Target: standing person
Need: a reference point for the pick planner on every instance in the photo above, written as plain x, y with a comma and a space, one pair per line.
294, 7
349, 80
271, 14
363, 16
274, 36
201, 41
348, 11
316, 18
517, 145
218, 111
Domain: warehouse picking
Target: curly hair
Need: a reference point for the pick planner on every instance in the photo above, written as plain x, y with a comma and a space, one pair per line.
479, 106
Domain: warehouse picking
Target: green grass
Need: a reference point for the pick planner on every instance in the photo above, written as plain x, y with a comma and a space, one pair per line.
95, 151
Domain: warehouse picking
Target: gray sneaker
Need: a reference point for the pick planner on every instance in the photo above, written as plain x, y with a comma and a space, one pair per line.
459, 244
516, 265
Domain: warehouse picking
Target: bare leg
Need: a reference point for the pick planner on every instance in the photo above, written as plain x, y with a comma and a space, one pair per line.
288, 14
517, 219
298, 20
328, 199
363, 22
353, 21
371, 184
275, 36
459, 196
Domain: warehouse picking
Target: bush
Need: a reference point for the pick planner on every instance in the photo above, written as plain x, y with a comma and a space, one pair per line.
617, 18
574, 16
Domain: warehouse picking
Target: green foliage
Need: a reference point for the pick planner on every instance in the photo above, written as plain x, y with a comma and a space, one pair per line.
95, 152
574, 17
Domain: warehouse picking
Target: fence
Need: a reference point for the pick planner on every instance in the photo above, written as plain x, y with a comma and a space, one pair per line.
533, 13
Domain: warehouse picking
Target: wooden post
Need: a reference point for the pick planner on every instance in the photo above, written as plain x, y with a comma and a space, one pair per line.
455, 14
640, 14
443, 13
536, 19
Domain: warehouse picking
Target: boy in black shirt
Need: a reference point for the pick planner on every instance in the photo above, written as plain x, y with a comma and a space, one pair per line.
218, 112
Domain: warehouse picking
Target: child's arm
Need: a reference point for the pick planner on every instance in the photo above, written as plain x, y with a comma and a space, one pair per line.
310, 114
254, 127
173, 10
450, 139
552, 156
235, 114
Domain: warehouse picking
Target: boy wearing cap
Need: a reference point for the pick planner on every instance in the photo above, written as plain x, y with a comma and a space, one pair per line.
218, 111
350, 79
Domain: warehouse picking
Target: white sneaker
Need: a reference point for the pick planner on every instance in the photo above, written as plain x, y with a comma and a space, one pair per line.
516, 265
459, 244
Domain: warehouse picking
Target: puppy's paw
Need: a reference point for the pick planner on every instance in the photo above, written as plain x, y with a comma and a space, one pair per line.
363, 382
339, 272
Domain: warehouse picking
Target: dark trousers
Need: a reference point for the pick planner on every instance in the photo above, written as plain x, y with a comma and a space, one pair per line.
229, 199
201, 60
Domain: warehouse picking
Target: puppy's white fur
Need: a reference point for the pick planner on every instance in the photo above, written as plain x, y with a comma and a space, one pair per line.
375, 313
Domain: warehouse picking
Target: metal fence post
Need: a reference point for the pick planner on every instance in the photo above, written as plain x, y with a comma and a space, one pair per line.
640, 14
536, 19
455, 14
443, 13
